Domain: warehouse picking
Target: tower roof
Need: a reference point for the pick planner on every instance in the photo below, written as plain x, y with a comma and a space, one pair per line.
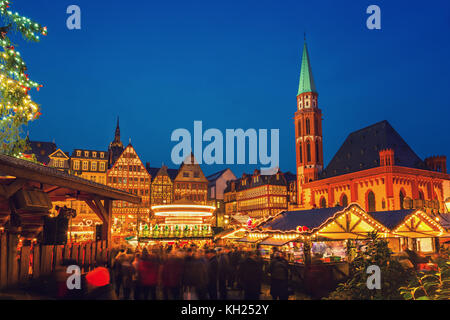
306, 77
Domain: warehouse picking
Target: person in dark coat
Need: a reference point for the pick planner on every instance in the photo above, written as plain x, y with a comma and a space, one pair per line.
279, 275
213, 268
235, 258
195, 275
224, 270
117, 270
171, 276
251, 276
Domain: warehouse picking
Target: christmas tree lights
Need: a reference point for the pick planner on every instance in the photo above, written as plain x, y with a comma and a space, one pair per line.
16, 106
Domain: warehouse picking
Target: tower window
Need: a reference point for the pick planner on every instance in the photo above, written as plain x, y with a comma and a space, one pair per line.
307, 126
317, 151
300, 149
308, 151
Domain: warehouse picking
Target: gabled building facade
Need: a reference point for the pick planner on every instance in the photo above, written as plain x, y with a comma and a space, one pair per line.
190, 182
162, 187
59, 160
128, 173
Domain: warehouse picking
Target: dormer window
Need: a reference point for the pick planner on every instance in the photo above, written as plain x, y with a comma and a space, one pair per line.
94, 154
78, 153
102, 155
86, 154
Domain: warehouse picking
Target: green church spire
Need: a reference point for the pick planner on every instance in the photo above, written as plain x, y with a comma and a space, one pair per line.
306, 76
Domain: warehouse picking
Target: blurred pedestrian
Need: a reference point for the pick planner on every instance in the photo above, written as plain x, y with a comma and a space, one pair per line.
279, 275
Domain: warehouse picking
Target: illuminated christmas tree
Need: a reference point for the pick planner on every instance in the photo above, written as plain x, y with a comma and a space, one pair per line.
16, 106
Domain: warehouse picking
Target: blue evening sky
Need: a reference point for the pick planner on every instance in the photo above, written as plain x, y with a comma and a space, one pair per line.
160, 65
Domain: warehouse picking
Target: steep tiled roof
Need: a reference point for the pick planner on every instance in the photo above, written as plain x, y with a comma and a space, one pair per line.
391, 219
213, 177
360, 151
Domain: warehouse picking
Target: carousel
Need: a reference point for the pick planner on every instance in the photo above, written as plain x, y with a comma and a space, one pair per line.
179, 222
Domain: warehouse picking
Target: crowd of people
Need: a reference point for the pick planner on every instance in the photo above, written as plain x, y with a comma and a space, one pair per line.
187, 273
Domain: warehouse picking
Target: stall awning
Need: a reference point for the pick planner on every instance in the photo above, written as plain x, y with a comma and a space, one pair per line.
250, 239
276, 242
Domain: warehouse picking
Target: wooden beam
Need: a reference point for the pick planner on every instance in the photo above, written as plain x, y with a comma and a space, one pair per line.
355, 225
7, 191
94, 208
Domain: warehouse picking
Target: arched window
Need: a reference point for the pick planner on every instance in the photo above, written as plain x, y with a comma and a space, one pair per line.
371, 201
402, 198
316, 126
323, 202
308, 151
421, 196
299, 128
308, 129
317, 151
300, 152
344, 200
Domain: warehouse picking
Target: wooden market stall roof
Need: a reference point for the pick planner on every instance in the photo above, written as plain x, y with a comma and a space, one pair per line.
17, 172
351, 222
412, 223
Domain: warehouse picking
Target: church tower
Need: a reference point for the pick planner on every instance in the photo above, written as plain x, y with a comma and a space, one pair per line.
116, 146
308, 128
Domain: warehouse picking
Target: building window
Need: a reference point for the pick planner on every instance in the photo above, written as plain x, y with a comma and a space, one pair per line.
186, 174
308, 129
299, 128
85, 165
323, 202
86, 154
300, 153
94, 154
102, 166
78, 153
371, 201
402, 198
102, 155
317, 151
308, 151
94, 166
344, 200
76, 165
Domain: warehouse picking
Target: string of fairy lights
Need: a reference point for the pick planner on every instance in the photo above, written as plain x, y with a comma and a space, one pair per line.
16, 106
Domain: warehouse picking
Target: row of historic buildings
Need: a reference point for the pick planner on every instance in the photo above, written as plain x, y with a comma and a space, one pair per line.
374, 167
121, 167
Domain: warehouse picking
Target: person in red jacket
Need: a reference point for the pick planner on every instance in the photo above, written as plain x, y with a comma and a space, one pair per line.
148, 274
172, 272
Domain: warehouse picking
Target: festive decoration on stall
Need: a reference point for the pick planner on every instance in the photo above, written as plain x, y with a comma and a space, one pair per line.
16, 106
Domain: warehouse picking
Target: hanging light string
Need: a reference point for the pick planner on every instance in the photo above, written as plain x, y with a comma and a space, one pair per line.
16, 106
